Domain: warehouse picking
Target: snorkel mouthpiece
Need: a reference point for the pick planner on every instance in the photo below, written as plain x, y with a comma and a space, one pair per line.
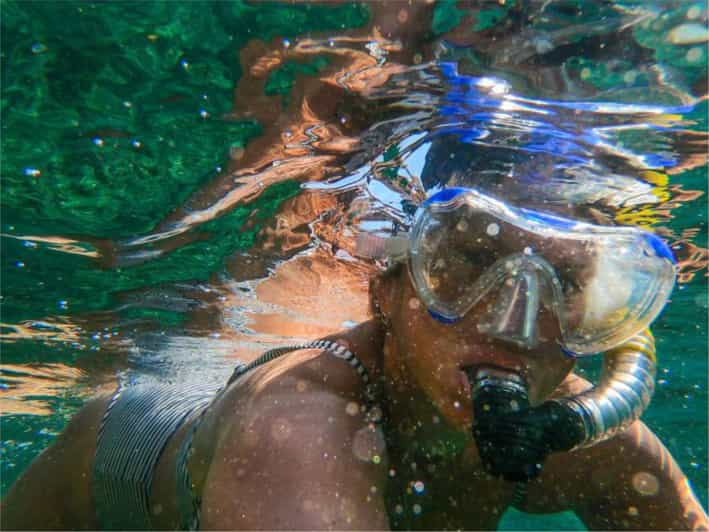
513, 438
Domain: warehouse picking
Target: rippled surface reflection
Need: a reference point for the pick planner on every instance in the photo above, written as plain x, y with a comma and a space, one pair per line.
587, 109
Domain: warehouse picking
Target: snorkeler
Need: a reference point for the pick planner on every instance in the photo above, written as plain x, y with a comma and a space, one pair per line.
454, 402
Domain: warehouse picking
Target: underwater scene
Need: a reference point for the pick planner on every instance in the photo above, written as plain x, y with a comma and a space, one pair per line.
188, 184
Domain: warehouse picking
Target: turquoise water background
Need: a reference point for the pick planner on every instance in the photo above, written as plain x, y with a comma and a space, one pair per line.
111, 119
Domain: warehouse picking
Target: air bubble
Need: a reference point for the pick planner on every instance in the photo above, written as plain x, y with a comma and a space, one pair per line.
646, 483
694, 54
368, 445
694, 12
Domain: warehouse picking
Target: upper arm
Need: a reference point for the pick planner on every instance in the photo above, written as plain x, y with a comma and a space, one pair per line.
628, 482
58, 480
296, 463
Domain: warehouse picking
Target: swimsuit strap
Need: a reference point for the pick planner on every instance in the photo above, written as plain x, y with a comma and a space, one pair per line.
189, 502
332, 348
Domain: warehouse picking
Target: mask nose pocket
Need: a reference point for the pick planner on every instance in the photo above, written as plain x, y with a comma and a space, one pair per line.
513, 314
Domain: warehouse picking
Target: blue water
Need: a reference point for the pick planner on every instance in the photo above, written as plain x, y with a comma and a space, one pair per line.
143, 225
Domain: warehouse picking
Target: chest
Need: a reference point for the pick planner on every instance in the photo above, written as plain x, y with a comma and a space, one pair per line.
425, 495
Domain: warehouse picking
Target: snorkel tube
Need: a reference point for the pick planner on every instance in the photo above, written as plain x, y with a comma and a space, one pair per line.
514, 438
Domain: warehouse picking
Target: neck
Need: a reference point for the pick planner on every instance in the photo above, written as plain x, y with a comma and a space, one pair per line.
366, 342
413, 420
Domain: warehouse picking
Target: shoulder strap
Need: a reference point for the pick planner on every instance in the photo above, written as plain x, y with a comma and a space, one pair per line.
332, 348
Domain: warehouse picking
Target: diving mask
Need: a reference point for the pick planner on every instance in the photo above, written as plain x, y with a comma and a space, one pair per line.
603, 284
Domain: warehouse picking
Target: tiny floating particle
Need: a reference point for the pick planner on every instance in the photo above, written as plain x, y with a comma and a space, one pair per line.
694, 54
630, 77
352, 408
690, 33
646, 483
694, 12
493, 229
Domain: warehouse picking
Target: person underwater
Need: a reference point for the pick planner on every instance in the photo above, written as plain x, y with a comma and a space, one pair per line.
455, 401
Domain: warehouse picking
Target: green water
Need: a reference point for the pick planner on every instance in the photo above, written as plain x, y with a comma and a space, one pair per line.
111, 118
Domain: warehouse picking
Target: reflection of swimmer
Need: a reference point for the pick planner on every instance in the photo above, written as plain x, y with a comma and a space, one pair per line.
453, 403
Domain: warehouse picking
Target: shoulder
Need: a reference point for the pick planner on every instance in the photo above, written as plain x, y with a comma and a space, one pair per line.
630, 481
579, 477
309, 389
296, 432
570, 479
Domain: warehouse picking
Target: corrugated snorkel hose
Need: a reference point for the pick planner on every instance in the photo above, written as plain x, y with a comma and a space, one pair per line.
623, 393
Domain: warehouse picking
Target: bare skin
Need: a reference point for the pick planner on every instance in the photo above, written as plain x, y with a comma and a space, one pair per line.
284, 447
281, 449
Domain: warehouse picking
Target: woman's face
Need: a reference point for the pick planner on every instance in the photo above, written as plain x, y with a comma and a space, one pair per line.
435, 354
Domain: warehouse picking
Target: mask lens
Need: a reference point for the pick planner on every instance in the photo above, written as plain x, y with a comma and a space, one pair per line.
628, 287
452, 250
603, 284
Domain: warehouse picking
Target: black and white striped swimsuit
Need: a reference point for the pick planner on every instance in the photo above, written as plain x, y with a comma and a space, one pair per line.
137, 426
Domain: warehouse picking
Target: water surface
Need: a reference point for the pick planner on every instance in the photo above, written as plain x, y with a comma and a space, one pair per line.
184, 183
